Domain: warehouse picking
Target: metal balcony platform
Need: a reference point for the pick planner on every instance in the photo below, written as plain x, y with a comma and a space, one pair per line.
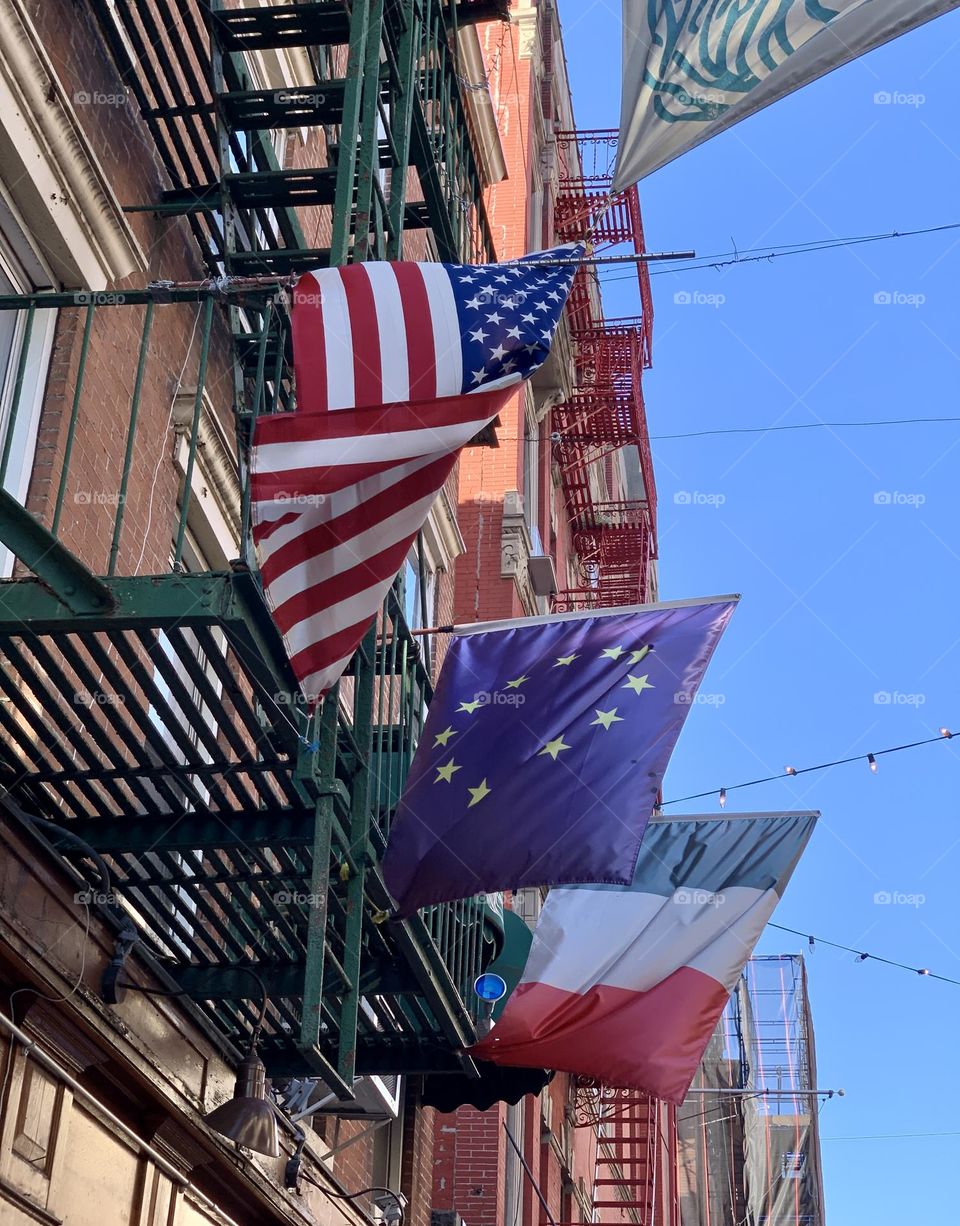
251, 109
472, 12
590, 421
277, 261
322, 23
166, 732
254, 189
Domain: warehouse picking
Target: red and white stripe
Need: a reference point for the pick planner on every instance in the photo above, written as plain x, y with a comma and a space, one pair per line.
371, 334
337, 500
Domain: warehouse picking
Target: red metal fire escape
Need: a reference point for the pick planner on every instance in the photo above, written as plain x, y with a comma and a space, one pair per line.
613, 527
636, 1157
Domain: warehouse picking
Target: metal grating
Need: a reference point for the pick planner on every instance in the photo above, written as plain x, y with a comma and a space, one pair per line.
166, 737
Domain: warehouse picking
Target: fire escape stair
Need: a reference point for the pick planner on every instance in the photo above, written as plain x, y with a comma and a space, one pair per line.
628, 1156
162, 724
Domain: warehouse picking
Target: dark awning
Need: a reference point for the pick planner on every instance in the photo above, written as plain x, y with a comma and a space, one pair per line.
448, 1091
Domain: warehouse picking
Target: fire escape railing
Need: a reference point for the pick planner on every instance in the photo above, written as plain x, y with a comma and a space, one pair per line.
156, 716
612, 522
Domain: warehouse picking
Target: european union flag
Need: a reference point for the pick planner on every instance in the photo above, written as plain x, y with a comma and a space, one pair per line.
544, 750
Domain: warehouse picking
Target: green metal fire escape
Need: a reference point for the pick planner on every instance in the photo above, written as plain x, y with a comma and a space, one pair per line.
156, 717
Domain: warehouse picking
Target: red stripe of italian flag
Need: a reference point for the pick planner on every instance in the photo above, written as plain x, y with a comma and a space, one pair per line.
627, 984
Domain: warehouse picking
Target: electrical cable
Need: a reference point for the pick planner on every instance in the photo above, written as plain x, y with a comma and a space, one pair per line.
892, 1136
810, 425
728, 259
862, 956
362, 1192
791, 772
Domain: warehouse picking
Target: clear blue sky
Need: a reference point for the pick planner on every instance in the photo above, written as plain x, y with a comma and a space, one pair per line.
844, 598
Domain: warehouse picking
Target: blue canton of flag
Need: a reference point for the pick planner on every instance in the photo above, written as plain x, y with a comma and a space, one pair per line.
508, 313
544, 750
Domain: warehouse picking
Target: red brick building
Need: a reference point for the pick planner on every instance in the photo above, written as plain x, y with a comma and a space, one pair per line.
189, 859
556, 517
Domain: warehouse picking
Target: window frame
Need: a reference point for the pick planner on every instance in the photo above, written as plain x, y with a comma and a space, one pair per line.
24, 272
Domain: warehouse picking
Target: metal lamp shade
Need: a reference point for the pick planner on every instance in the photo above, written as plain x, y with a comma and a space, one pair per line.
248, 1118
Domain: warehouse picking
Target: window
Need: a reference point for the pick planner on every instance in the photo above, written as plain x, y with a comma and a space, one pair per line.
20, 273
531, 472
417, 599
192, 561
792, 1165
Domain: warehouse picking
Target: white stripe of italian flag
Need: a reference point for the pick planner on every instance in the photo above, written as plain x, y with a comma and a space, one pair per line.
627, 984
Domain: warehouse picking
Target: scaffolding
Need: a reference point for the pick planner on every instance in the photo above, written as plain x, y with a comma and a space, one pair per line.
753, 1158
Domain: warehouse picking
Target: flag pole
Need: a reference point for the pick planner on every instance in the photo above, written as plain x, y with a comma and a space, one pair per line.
533, 1183
768, 1093
637, 257
221, 286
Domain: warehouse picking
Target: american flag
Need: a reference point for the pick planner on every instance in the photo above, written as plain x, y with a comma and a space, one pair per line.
416, 359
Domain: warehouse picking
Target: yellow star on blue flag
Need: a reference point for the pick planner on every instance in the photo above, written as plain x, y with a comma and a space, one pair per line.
561, 744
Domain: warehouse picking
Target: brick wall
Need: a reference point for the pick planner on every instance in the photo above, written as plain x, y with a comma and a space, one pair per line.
416, 1177
469, 1156
470, 1146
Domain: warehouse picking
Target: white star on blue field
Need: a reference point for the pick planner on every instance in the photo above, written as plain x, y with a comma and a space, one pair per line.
508, 313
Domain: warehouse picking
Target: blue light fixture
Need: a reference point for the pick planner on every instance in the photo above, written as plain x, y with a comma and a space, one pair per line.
490, 987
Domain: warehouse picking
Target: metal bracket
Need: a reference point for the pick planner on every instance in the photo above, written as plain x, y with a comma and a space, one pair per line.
111, 990
66, 576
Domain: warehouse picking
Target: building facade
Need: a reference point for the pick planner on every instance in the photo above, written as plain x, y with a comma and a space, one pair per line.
189, 859
560, 516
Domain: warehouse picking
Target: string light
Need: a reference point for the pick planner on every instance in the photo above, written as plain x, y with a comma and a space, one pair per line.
862, 956
790, 772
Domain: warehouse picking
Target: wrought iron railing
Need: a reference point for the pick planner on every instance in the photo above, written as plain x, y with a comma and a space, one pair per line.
154, 715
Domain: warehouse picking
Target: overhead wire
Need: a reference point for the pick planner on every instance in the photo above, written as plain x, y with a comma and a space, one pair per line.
863, 956
809, 425
776, 251
791, 772
891, 1136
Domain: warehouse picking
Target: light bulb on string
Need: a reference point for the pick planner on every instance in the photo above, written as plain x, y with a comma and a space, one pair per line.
790, 772
862, 957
